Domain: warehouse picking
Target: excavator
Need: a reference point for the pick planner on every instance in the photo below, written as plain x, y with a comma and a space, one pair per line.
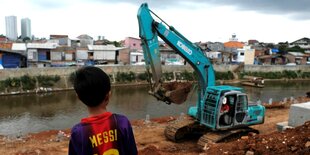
222, 112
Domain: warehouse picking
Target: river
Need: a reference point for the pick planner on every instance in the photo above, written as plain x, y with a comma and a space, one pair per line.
28, 113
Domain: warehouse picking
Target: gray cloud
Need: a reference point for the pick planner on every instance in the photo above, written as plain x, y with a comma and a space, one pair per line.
296, 9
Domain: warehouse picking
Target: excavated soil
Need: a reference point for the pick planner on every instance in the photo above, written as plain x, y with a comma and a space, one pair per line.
178, 91
150, 140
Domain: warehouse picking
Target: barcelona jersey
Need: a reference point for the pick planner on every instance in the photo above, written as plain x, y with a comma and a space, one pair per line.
104, 134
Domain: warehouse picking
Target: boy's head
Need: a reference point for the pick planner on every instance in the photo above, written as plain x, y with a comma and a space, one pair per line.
92, 85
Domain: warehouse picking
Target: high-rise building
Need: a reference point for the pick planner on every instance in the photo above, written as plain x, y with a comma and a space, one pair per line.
26, 28
11, 27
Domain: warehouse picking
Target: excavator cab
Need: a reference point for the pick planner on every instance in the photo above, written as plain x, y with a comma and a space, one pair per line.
232, 109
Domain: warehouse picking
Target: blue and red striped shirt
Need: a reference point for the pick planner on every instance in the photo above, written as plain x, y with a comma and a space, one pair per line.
104, 134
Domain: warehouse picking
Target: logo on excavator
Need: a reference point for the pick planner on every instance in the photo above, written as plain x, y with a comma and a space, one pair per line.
185, 48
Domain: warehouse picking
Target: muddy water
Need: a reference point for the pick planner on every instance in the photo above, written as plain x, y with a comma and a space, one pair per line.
33, 113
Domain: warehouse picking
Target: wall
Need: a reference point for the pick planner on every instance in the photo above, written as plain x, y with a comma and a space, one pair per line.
113, 69
133, 43
275, 68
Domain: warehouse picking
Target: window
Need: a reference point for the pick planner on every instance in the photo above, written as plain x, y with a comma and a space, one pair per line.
242, 103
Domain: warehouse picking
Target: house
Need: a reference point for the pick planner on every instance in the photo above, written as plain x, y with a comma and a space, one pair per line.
10, 59
39, 54
303, 43
3, 39
215, 46
298, 58
249, 55
85, 40
63, 56
6, 46
82, 54
236, 48
169, 57
134, 44
61, 40
136, 58
215, 56
106, 54
19, 48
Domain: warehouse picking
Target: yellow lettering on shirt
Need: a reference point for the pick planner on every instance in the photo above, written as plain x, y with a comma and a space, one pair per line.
111, 135
93, 141
99, 138
104, 137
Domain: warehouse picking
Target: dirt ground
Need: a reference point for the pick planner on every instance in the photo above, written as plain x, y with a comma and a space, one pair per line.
150, 139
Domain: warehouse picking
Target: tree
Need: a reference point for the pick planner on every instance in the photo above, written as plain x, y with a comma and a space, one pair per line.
296, 49
26, 39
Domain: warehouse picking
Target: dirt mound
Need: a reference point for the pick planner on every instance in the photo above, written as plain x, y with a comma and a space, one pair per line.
150, 150
177, 92
290, 141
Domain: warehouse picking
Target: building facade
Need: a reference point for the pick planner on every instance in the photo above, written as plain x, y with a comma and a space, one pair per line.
11, 27
26, 28
133, 44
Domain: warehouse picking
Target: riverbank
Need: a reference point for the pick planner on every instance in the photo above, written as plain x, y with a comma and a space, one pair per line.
41, 80
150, 139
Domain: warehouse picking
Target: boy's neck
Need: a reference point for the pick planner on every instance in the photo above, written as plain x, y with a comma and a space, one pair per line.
94, 111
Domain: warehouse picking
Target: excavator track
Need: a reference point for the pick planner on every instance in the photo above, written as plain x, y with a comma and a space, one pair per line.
226, 135
177, 130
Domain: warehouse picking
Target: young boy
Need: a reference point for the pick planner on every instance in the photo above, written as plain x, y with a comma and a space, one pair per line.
102, 133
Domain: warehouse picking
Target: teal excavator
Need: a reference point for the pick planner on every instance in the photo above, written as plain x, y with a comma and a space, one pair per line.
221, 112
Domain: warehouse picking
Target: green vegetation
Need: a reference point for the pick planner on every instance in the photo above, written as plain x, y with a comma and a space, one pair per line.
2, 87
125, 77
185, 75
28, 83
224, 75
47, 81
142, 76
12, 82
167, 76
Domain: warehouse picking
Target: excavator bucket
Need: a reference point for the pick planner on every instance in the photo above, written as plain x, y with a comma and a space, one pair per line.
177, 92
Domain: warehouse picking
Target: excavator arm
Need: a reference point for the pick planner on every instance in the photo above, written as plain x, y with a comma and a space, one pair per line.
149, 31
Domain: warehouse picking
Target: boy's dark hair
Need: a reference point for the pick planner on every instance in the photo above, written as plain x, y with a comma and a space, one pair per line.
91, 85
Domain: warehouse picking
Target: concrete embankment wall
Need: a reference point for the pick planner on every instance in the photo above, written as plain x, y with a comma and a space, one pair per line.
10, 73
113, 70
275, 68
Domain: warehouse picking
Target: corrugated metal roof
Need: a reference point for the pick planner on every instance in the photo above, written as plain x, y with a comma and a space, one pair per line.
19, 47
42, 45
104, 48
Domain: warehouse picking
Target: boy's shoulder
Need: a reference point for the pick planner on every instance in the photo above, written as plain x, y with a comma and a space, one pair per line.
121, 119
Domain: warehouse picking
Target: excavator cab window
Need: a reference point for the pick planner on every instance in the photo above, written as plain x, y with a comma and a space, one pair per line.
241, 108
227, 110
242, 103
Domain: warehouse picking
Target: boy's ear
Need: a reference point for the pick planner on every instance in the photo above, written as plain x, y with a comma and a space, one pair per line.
108, 96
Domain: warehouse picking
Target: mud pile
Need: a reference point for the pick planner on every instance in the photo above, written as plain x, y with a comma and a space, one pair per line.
290, 141
177, 92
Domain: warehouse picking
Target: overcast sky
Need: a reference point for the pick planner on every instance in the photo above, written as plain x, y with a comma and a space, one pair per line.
198, 20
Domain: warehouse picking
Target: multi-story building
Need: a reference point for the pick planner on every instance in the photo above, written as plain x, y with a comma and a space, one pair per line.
85, 40
26, 28
303, 43
11, 27
134, 44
